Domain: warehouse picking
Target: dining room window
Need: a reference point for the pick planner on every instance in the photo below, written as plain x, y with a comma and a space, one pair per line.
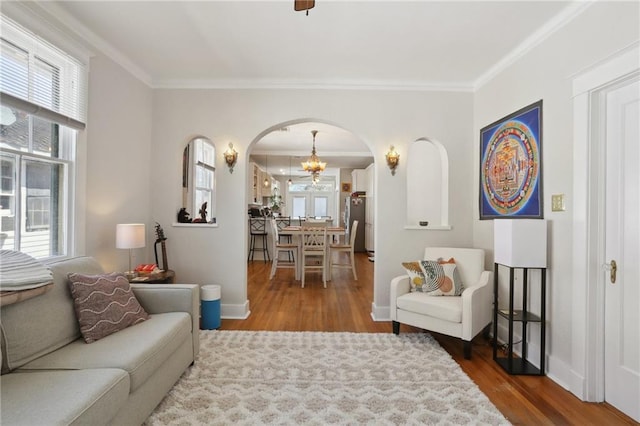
308, 199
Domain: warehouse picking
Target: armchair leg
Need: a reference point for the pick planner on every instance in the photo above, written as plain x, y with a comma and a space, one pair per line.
486, 333
466, 349
396, 327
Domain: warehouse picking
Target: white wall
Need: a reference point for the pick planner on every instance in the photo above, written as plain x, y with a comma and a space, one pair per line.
118, 145
380, 118
546, 73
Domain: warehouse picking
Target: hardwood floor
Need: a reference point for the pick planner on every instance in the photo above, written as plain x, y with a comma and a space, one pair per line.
345, 305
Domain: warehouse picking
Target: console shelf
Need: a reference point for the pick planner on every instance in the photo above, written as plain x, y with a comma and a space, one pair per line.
510, 363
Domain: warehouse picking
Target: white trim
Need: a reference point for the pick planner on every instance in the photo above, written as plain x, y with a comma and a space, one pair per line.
587, 319
607, 70
194, 225
31, 16
81, 30
565, 16
380, 313
429, 228
236, 311
413, 86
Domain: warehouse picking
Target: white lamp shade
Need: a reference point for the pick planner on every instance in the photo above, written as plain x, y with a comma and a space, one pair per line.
130, 235
520, 243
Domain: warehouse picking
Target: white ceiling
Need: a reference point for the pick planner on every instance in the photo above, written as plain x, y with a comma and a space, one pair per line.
406, 45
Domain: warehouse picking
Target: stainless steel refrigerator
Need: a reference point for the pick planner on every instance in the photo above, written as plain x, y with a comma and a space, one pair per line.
354, 209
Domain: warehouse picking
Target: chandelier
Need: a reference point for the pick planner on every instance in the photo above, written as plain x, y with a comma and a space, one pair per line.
313, 165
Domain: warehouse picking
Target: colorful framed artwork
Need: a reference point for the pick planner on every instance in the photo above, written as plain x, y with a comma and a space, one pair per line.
346, 186
511, 166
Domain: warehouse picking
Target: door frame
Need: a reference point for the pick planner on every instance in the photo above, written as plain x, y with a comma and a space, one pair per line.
587, 317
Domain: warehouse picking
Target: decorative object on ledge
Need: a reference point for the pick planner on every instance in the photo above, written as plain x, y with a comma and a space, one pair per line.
183, 216
424, 223
230, 157
393, 158
130, 236
203, 214
511, 165
305, 5
160, 239
313, 165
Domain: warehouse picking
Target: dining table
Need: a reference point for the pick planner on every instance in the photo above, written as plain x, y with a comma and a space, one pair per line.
296, 231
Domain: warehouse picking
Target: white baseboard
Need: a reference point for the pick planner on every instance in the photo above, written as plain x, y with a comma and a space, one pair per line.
380, 313
229, 311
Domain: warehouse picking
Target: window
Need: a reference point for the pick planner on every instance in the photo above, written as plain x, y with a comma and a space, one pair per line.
34, 183
198, 178
311, 199
42, 106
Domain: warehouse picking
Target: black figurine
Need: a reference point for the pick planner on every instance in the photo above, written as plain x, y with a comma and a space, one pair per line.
183, 216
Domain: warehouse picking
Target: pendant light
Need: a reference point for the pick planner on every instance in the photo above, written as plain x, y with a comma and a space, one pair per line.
313, 165
289, 182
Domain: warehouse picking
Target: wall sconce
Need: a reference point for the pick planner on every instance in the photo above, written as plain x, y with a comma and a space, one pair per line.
393, 158
231, 156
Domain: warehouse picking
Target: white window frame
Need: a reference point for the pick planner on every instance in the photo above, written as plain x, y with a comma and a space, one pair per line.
68, 111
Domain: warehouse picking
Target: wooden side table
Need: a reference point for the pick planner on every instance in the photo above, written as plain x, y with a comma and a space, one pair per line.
162, 277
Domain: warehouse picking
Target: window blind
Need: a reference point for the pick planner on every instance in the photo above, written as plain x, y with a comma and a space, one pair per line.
40, 79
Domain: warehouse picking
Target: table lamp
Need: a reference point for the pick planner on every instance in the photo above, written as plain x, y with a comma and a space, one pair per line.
130, 236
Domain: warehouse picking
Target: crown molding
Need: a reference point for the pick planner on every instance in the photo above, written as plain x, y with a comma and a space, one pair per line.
310, 84
81, 30
77, 28
551, 26
35, 19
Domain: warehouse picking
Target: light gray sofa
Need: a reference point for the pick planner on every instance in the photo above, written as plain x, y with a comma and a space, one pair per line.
50, 376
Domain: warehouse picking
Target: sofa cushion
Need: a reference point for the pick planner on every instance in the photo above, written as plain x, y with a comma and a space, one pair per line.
75, 397
441, 278
139, 349
416, 276
104, 304
37, 326
445, 308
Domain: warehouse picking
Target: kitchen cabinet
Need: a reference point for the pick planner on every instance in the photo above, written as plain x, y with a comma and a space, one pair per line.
359, 180
257, 188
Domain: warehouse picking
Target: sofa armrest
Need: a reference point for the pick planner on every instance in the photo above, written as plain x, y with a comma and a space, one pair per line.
399, 285
161, 298
476, 306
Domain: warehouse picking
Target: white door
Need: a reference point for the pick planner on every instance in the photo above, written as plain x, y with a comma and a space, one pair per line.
622, 246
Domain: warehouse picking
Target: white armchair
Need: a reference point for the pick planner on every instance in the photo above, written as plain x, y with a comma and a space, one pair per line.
461, 316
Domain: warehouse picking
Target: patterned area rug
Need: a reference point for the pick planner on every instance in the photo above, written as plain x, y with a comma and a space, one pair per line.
318, 378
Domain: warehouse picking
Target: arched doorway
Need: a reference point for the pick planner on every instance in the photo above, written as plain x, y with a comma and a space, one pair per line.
274, 158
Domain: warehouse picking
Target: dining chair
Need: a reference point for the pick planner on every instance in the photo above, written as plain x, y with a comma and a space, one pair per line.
282, 222
277, 247
258, 229
344, 248
313, 251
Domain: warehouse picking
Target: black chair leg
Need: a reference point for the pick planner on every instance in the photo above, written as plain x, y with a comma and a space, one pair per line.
396, 327
466, 349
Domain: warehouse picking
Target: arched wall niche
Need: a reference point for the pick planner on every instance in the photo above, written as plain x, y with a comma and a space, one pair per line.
427, 185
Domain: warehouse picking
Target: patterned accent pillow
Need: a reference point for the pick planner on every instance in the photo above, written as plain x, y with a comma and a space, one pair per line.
104, 304
441, 278
416, 276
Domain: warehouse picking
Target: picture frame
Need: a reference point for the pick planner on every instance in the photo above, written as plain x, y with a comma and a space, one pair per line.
511, 166
346, 186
